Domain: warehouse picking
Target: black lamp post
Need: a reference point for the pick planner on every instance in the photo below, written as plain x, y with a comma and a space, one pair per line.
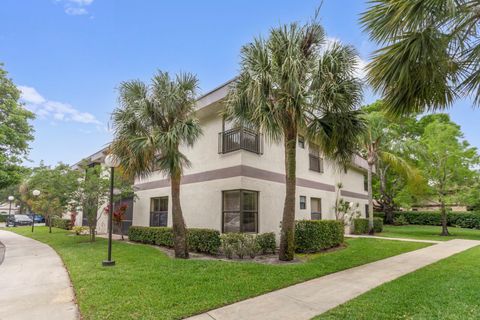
35, 193
10, 199
111, 161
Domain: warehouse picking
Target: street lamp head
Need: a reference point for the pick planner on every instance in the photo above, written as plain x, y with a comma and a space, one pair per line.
112, 161
36, 193
11, 198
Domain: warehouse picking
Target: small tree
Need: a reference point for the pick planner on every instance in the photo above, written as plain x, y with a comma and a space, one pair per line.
345, 211
118, 216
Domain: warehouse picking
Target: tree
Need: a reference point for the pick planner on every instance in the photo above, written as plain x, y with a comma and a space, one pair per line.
448, 161
294, 83
383, 149
15, 132
93, 192
57, 186
345, 211
150, 125
430, 54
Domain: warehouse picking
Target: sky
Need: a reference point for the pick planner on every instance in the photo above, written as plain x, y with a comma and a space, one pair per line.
69, 56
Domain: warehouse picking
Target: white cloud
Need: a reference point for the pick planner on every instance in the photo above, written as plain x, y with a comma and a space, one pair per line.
76, 11
361, 68
55, 110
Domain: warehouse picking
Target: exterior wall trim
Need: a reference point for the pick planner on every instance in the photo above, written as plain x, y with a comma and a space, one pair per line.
243, 171
351, 194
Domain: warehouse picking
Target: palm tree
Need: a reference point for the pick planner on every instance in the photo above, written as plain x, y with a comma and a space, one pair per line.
430, 54
379, 150
150, 125
294, 83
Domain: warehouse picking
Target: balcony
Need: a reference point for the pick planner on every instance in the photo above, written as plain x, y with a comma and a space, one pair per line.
240, 139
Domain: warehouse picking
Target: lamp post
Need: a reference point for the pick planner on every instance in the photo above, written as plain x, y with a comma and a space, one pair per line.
10, 199
111, 161
35, 193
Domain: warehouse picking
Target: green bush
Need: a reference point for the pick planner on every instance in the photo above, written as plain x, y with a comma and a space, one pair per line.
61, 223
377, 224
360, 225
3, 218
316, 235
266, 242
399, 220
200, 240
240, 244
469, 220
203, 240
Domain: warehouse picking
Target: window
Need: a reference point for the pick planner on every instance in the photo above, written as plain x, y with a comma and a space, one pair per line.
301, 142
316, 208
158, 212
365, 182
367, 211
316, 162
240, 211
303, 202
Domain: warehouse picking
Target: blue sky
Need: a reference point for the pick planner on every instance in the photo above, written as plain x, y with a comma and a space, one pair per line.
68, 56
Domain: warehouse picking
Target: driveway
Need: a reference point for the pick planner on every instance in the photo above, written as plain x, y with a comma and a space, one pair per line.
33, 281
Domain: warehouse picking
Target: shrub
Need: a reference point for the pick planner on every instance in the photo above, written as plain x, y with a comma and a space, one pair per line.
3, 218
360, 226
316, 235
266, 242
377, 224
235, 243
61, 223
203, 240
400, 220
200, 240
469, 220
78, 230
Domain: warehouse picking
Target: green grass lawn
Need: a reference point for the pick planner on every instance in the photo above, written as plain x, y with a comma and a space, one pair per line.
428, 233
146, 284
448, 289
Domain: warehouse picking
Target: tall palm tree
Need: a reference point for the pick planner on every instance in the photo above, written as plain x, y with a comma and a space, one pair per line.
430, 54
378, 148
293, 82
150, 125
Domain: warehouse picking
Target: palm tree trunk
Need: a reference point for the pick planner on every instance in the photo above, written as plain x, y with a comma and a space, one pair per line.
179, 231
444, 218
370, 199
287, 236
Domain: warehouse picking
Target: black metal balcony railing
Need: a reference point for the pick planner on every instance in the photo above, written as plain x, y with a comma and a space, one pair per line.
240, 138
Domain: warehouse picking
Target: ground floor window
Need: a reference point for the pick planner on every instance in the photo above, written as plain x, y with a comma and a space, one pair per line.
367, 211
303, 202
158, 212
316, 208
240, 211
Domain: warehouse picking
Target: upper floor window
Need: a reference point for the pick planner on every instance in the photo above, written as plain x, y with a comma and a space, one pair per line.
240, 211
316, 162
365, 182
316, 208
234, 138
301, 142
158, 212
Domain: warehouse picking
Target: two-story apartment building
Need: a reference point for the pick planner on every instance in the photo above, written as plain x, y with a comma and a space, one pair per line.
236, 180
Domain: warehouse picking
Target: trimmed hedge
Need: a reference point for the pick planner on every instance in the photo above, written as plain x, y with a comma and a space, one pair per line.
469, 220
61, 223
360, 225
316, 235
3, 218
266, 242
200, 240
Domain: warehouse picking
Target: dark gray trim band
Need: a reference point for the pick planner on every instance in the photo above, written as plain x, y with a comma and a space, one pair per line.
240, 171
351, 194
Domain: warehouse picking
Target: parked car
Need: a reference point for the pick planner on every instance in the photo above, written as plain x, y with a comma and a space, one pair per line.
38, 218
19, 220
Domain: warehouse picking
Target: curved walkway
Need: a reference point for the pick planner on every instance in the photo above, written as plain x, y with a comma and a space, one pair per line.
308, 299
33, 282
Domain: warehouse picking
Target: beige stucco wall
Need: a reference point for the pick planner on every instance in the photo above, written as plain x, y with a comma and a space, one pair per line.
202, 201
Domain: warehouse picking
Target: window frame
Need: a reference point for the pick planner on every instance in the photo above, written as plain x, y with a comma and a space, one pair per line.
314, 155
301, 141
304, 202
158, 212
316, 212
241, 210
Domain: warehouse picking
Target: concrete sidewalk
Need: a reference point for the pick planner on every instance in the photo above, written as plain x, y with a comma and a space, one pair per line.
314, 297
33, 282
